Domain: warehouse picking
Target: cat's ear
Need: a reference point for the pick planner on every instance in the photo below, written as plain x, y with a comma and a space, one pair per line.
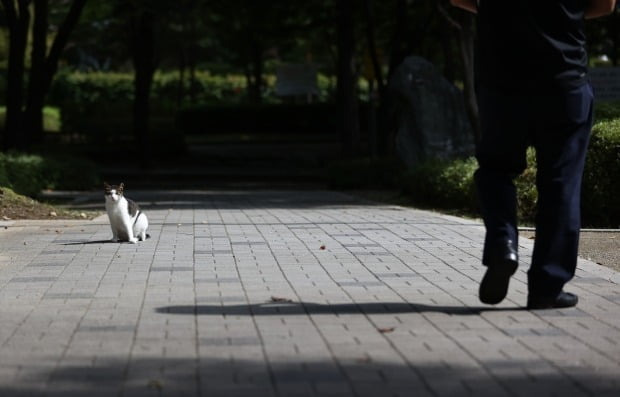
121, 187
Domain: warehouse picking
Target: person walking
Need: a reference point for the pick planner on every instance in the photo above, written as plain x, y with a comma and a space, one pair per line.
532, 89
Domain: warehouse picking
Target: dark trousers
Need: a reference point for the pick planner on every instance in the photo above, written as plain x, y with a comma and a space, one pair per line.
557, 125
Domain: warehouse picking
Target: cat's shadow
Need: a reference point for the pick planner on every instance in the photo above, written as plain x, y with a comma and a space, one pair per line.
95, 242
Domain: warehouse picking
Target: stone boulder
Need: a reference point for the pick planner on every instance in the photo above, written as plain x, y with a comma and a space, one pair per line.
429, 114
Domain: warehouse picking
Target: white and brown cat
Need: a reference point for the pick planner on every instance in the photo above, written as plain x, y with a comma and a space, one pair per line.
128, 222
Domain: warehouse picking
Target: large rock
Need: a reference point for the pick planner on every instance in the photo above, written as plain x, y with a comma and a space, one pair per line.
430, 114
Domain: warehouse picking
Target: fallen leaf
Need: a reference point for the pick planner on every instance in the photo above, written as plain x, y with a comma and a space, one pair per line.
83, 215
53, 213
322, 247
6, 218
386, 330
155, 384
532, 237
363, 360
280, 299
58, 231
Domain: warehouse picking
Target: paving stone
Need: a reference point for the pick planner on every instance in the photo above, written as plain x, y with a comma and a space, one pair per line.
287, 293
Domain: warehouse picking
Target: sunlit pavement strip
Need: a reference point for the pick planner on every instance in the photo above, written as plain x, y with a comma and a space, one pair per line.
287, 294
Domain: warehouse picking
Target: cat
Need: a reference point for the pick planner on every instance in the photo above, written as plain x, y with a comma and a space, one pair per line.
128, 222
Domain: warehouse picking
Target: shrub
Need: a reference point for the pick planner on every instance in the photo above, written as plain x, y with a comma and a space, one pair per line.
449, 184
527, 195
443, 184
28, 174
4, 176
606, 111
365, 173
73, 173
600, 184
25, 173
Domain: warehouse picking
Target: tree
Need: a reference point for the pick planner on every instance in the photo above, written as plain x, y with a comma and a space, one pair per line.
142, 39
24, 126
346, 90
463, 23
18, 19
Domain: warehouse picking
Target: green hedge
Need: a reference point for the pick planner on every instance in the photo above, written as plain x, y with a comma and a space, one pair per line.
449, 185
601, 190
28, 174
97, 88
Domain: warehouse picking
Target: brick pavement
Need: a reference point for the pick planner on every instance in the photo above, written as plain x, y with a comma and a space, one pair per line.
290, 293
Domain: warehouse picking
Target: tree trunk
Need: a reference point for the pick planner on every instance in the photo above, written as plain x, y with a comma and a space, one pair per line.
466, 41
181, 83
397, 52
43, 69
192, 61
142, 35
464, 27
372, 47
613, 25
346, 86
33, 114
447, 47
18, 21
257, 73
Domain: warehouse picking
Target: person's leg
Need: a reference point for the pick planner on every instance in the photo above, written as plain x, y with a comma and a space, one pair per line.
561, 143
501, 157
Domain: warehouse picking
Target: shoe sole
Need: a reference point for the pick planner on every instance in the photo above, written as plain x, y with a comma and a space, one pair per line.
494, 285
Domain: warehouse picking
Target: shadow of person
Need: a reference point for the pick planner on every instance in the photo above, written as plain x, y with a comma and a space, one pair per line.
297, 308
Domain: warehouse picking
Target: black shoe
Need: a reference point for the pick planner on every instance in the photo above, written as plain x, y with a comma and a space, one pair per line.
501, 265
563, 300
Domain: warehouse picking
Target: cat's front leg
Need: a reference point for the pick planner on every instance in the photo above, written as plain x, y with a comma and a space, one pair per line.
114, 235
130, 237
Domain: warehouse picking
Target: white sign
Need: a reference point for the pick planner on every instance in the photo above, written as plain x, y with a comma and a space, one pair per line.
296, 79
606, 83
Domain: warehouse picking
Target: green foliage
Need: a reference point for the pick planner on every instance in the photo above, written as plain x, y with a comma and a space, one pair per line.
606, 111
600, 183
28, 174
365, 173
527, 195
25, 173
93, 90
4, 174
449, 185
443, 184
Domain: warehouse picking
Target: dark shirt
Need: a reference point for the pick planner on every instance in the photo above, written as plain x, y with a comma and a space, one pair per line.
526, 44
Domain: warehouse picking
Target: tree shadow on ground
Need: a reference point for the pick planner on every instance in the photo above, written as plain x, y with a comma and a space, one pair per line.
357, 375
298, 308
224, 200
